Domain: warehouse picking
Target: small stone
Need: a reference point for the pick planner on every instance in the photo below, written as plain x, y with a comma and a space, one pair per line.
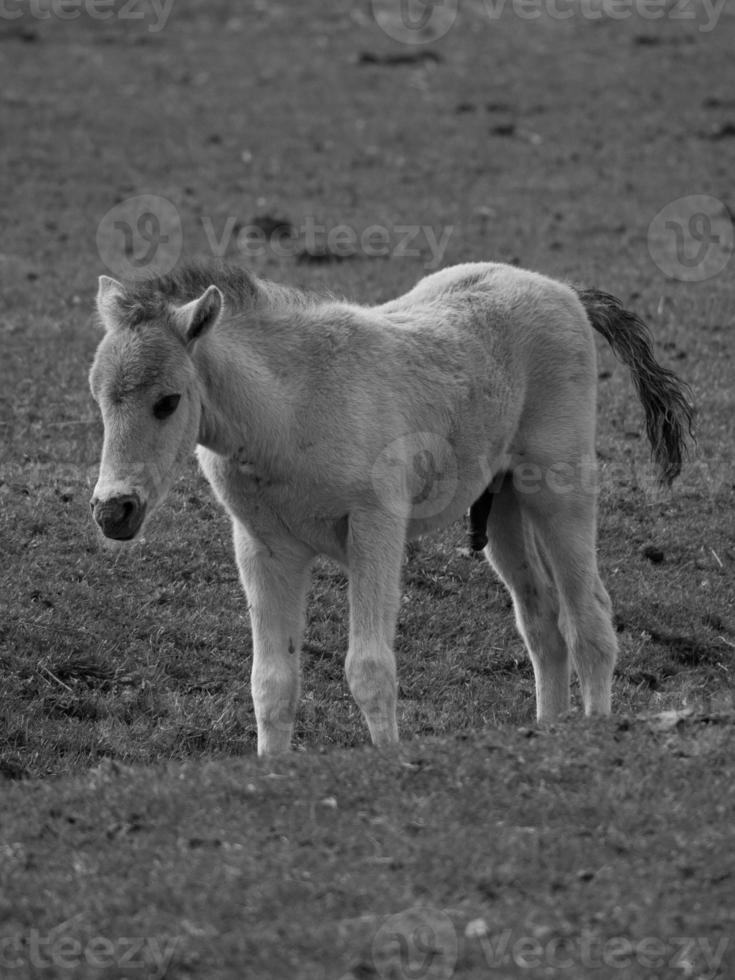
476, 929
654, 554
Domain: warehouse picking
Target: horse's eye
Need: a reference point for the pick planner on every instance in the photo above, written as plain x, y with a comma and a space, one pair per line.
166, 406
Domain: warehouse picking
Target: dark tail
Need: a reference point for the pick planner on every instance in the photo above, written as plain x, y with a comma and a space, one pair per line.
666, 399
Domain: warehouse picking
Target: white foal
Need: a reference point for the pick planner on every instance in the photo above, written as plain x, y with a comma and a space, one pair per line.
327, 427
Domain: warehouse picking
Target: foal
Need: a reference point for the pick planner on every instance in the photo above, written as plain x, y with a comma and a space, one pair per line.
329, 428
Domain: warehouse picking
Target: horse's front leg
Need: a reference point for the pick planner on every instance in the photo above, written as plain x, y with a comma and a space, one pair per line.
275, 579
375, 552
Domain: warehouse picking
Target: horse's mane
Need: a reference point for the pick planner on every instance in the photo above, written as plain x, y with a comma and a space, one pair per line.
150, 299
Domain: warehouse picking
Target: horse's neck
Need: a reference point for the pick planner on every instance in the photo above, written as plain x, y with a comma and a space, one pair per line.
243, 407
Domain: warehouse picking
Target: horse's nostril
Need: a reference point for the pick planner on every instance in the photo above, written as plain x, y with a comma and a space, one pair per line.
128, 509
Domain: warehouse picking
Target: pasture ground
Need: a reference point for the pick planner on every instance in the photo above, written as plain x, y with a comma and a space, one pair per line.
131, 804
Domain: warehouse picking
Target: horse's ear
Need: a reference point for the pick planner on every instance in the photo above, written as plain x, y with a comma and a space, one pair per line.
109, 294
201, 314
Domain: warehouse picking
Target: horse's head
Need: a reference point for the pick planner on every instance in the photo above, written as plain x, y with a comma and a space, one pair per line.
144, 381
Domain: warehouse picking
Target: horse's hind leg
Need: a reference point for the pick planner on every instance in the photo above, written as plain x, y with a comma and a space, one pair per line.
275, 579
513, 552
565, 524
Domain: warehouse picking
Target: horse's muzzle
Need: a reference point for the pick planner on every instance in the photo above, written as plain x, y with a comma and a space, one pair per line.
119, 517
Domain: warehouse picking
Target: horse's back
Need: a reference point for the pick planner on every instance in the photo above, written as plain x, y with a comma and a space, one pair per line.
538, 345
505, 283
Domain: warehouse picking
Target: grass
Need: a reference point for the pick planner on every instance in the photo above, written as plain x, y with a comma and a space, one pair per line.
313, 867
126, 729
